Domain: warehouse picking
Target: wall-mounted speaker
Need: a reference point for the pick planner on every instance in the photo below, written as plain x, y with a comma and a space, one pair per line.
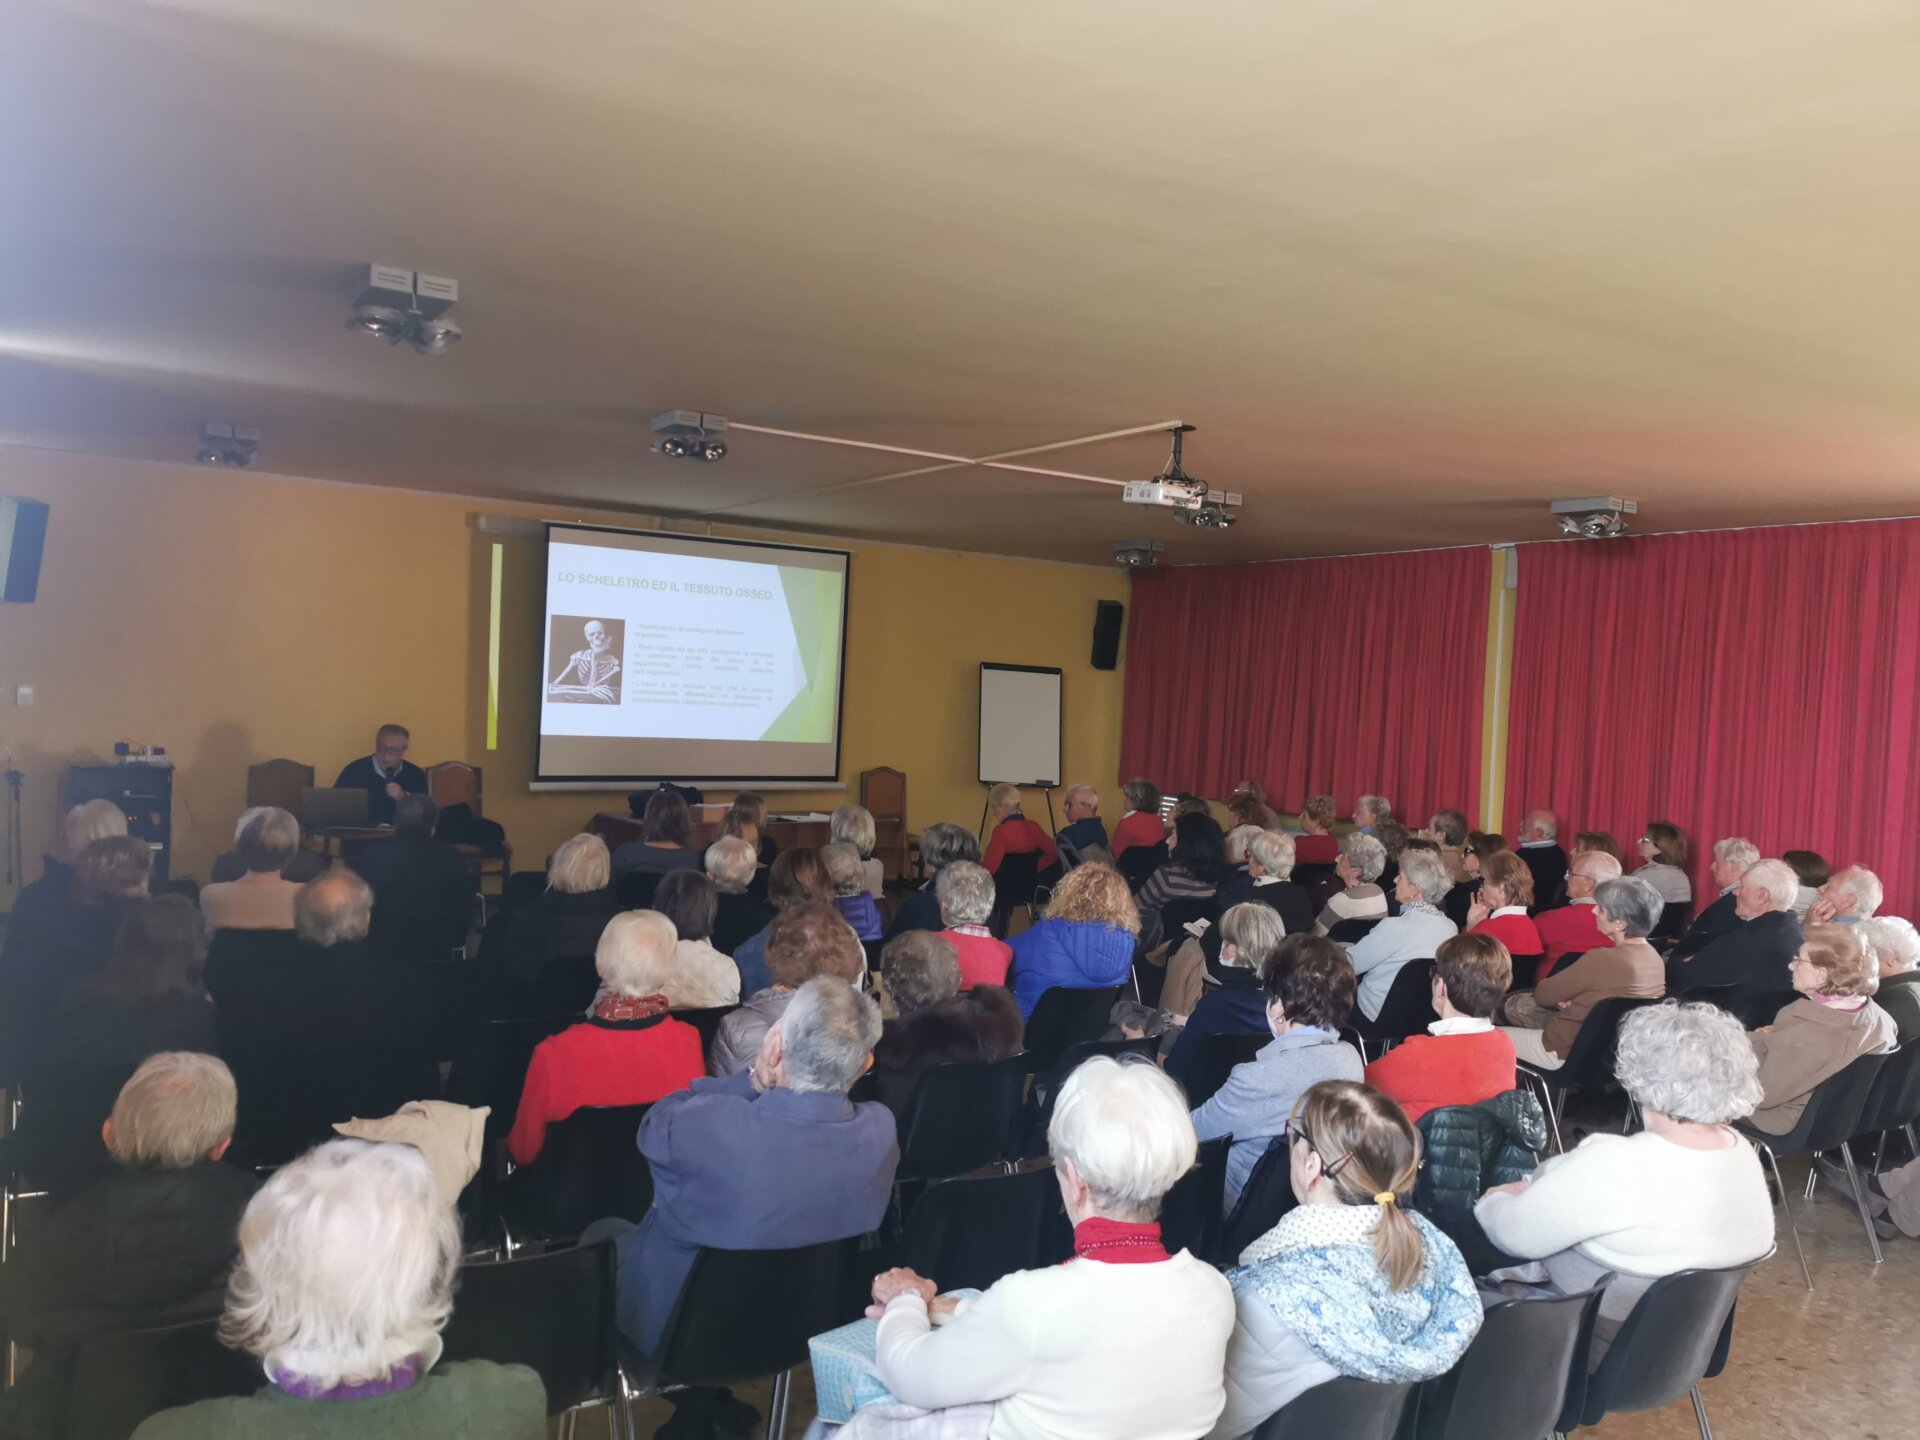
1106, 634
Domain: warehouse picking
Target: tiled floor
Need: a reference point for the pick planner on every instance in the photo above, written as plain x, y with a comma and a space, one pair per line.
1836, 1363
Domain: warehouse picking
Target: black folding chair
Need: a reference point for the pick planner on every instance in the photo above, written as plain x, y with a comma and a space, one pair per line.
1349, 932
120, 1377
1176, 915
1138, 862
590, 1166
1214, 1060
1675, 1337
495, 1071
1589, 1064
1351, 1409
974, 1229
707, 1022
634, 890
747, 1314
1267, 1195
1014, 886
1321, 882
1407, 1010
1046, 1088
960, 1117
1512, 1383
1063, 1017
1894, 1102
1831, 1118
1192, 1212
1675, 916
553, 1313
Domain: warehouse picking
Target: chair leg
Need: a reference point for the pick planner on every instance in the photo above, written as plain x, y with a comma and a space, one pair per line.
1813, 1175
1786, 1204
1860, 1202
1700, 1414
1553, 1114
777, 1408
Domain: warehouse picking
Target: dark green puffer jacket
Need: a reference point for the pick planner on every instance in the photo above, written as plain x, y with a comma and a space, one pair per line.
1468, 1149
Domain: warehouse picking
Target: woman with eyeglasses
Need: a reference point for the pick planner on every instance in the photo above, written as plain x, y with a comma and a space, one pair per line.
1350, 1282
1663, 855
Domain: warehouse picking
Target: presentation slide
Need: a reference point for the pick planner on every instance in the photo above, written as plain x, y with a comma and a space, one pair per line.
670, 657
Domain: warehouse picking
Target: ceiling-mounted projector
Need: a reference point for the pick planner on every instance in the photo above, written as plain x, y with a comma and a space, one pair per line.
405, 305
1191, 500
1600, 518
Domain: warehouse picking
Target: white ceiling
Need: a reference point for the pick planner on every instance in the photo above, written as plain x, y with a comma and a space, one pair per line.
1413, 270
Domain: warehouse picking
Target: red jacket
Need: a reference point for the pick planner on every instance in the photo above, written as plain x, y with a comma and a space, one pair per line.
602, 1062
1516, 932
1140, 828
1017, 835
983, 959
1315, 849
1430, 1072
1569, 930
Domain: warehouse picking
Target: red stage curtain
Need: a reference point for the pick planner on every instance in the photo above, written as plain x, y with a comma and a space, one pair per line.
1758, 682
1350, 676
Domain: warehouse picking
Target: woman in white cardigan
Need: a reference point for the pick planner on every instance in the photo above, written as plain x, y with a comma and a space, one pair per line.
1684, 1193
1124, 1339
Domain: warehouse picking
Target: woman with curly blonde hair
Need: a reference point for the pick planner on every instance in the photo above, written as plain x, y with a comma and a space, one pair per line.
1086, 941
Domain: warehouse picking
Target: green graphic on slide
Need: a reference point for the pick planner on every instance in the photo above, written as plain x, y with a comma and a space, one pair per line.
813, 602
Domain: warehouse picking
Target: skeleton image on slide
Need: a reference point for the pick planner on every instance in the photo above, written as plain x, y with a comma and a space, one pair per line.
591, 676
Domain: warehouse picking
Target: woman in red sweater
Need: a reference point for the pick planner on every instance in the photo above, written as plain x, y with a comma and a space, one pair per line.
1013, 833
627, 1052
1316, 844
1463, 1059
1141, 825
1500, 910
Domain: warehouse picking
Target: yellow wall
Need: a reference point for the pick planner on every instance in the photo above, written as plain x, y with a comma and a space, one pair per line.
234, 618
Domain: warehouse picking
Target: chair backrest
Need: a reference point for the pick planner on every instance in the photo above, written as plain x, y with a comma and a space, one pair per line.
1267, 1195
1512, 1382
564, 985
1666, 1344
1674, 918
553, 1313
589, 1167
883, 791
1590, 1061
1137, 862
1347, 1408
1321, 882
454, 782
1837, 1105
120, 1377
1145, 1046
508, 1050
747, 1314
1408, 1008
706, 1021
961, 1117
1063, 1017
1014, 885
973, 1230
278, 783
1349, 932
1895, 1098
1192, 1214
635, 888
1214, 1060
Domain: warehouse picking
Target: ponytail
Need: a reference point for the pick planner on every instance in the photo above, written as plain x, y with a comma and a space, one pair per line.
1371, 1153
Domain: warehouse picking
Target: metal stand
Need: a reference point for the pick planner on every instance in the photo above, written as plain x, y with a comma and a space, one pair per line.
16, 872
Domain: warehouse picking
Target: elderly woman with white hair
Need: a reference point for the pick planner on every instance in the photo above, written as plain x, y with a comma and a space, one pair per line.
1123, 1339
628, 1051
1686, 1192
851, 897
1895, 947
564, 922
265, 843
853, 825
347, 1262
1414, 934
941, 844
1363, 860
44, 902
1733, 856
1752, 957
738, 915
1544, 1022
938, 1019
1014, 834
966, 895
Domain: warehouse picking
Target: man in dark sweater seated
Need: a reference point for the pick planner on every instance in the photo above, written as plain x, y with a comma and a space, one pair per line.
1752, 956
1084, 828
147, 1243
423, 888
1732, 858
385, 775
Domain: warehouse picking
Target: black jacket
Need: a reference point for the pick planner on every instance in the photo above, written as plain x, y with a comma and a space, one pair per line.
361, 775
737, 918
976, 1025
422, 896
1287, 900
1709, 925
1549, 866
919, 911
557, 926
1752, 957
63, 938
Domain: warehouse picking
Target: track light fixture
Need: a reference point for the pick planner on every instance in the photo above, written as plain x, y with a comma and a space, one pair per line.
1137, 554
406, 305
689, 435
1600, 518
224, 444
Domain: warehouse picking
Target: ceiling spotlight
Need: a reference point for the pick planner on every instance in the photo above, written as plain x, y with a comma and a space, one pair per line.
224, 444
1212, 515
1601, 518
689, 435
406, 305
383, 321
434, 337
1137, 554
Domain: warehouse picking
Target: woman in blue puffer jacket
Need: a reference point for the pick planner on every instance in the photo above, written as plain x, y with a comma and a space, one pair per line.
1086, 941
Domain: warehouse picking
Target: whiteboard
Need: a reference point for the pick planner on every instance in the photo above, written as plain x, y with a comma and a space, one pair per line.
1019, 725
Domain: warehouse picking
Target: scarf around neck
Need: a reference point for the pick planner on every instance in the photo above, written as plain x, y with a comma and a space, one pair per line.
1118, 1242
611, 1005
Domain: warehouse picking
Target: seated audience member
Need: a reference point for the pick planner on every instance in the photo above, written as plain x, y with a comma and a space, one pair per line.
753, 809
798, 877
1084, 830
1732, 858
423, 889
965, 891
148, 998
1014, 834
147, 1243
771, 1157
701, 978
1394, 838
853, 825
1852, 895
347, 1263
1571, 930
1462, 1060
1895, 947
1500, 908
386, 775
1544, 1022
1414, 934
941, 843
1663, 856
1753, 956
1362, 859
1309, 994
665, 830
1351, 1281
1141, 825
1832, 1023
628, 1051
1541, 852
1370, 812
1187, 803
739, 825
1250, 937
54, 892
1234, 880
565, 921
808, 939
738, 915
1482, 846
265, 843
1602, 841
1254, 795
1448, 830
1684, 1193
850, 894
1123, 1339
1270, 868
1814, 872
1315, 844
936, 1022
1195, 867
1085, 941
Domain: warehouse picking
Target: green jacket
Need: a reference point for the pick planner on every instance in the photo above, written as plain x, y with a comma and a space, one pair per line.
462, 1400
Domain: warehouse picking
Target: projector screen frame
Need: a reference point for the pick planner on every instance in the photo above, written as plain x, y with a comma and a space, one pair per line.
614, 783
